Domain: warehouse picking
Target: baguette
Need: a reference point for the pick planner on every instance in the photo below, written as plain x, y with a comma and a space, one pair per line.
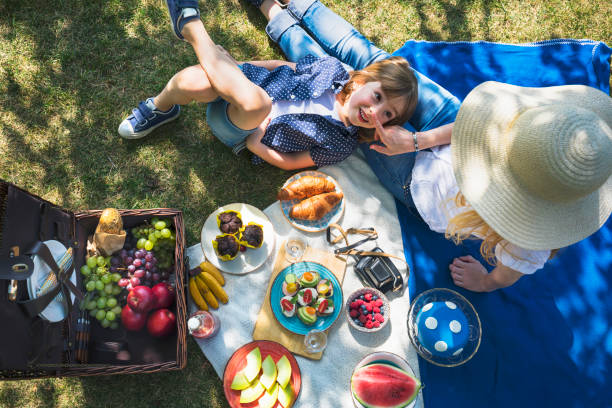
305, 187
314, 208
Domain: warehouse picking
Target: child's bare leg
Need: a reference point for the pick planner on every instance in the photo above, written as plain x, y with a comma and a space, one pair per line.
190, 84
249, 104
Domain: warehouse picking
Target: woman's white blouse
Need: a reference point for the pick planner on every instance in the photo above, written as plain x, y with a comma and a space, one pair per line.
433, 190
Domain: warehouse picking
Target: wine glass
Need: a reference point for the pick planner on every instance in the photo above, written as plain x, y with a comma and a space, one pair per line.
294, 249
315, 341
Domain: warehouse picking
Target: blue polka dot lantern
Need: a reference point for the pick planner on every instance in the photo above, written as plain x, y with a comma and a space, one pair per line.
442, 328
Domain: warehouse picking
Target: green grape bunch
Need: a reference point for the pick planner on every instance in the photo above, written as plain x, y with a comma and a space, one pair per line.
100, 278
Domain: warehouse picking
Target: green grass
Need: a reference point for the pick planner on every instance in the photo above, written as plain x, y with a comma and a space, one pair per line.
71, 70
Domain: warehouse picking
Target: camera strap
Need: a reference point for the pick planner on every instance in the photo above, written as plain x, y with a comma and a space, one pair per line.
349, 249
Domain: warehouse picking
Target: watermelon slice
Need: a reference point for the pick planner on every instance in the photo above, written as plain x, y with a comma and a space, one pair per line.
384, 386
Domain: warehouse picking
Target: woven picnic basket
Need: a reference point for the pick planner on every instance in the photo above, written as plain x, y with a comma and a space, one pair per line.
32, 347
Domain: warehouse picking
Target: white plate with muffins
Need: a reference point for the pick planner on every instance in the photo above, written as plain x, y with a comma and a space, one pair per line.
227, 226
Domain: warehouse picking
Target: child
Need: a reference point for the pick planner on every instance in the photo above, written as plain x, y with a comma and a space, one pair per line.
290, 115
505, 181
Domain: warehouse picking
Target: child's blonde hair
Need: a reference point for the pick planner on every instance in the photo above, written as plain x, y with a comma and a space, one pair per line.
396, 78
468, 223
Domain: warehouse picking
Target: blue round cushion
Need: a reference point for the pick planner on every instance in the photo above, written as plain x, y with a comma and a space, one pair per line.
442, 328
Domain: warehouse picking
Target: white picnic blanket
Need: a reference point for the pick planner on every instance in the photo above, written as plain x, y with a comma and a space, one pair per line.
326, 382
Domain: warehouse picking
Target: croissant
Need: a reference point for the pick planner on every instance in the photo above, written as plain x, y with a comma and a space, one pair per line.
315, 207
305, 187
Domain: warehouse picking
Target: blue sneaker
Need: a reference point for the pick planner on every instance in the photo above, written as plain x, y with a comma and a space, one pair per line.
181, 12
144, 120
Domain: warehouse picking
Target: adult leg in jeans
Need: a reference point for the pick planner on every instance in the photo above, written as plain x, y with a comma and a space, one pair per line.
335, 35
285, 30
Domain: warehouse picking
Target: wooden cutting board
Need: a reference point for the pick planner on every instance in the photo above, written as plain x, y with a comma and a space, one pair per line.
268, 328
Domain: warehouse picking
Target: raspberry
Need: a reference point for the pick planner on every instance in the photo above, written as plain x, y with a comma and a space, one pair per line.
376, 323
376, 309
369, 307
367, 296
378, 302
354, 313
369, 324
354, 305
362, 318
359, 302
379, 317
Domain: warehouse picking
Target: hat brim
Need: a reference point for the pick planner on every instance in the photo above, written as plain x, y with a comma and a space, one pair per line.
480, 149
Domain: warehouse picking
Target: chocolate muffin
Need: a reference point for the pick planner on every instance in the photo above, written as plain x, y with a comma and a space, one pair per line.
226, 246
251, 235
229, 222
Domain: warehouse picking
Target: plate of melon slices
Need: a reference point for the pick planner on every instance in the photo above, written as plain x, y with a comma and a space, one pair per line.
262, 374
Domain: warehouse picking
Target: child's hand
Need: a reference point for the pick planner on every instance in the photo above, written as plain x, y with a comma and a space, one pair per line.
254, 139
468, 273
396, 139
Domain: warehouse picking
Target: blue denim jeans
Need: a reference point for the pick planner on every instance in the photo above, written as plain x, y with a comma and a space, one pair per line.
308, 27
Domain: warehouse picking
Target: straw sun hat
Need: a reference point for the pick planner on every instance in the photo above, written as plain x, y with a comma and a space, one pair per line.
536, 163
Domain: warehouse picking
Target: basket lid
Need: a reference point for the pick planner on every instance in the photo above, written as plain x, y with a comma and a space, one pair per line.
26, 218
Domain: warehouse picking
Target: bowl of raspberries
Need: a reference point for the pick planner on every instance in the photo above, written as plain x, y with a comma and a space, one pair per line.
367, 310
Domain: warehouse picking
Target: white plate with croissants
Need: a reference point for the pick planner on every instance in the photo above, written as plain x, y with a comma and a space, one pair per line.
311, 200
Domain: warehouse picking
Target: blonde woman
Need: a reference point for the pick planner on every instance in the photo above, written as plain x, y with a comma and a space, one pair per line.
528, 170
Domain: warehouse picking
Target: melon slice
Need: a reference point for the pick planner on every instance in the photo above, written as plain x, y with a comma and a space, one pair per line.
253, 364
252, 393
268, 378
240, 381
384, 385
284, 371
268, 399
286, 396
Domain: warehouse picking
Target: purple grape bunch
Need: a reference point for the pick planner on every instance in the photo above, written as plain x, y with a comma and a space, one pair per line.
140, 268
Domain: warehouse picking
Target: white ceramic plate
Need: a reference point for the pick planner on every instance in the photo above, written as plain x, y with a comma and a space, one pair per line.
316, 225
246, 261
56, 311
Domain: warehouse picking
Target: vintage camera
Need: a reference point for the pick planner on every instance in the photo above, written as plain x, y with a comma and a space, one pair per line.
378, 272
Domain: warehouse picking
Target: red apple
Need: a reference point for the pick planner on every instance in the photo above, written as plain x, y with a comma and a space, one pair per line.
141, 299
132, 320
164, 294
162, 322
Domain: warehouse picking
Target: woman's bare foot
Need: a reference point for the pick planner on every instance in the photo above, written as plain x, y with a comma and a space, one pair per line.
469, 273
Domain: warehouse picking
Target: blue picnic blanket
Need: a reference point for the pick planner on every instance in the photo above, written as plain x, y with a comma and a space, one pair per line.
547, 340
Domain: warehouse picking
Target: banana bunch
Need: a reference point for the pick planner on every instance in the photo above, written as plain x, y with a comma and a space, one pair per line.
205, 286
